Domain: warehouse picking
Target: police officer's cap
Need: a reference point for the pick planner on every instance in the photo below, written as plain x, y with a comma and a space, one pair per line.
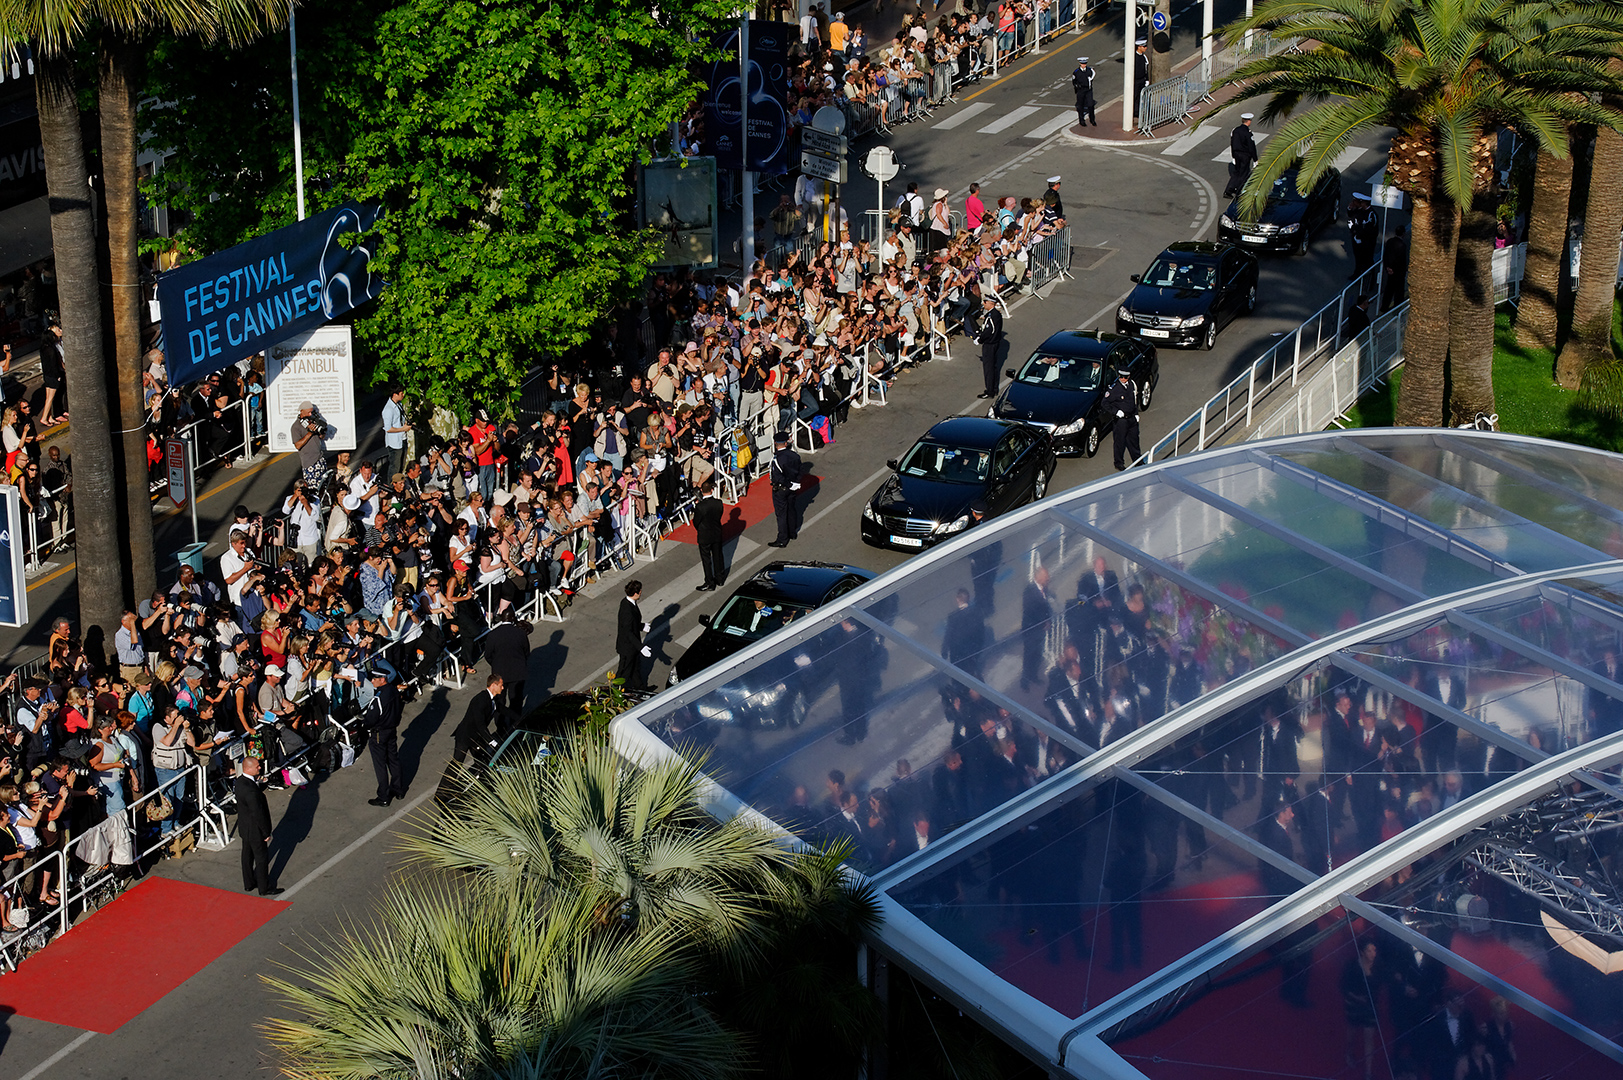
979, 506
377, 673
1248, 116
781, 439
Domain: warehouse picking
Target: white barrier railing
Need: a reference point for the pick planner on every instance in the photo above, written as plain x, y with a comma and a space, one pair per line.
53, 922
1356, 368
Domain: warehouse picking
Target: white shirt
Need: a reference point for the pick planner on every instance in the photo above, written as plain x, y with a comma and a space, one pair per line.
303, 518
358, 487
393, 416
230, 563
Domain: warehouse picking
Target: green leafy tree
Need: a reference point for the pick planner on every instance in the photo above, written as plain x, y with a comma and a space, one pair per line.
1446, 74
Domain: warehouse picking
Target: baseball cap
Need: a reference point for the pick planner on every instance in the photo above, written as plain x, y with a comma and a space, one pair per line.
274, 669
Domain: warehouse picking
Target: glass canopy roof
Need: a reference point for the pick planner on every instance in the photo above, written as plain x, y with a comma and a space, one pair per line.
1169, 749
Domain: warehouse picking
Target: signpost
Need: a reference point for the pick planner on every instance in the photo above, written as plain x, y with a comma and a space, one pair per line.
822, 142
177, 459
882, 165
824, 168
823, 156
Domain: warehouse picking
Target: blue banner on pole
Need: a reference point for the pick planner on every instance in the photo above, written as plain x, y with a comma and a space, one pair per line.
13, 585
248, 297
768, 90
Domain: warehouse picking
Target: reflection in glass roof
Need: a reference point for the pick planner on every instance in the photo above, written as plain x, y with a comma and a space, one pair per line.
1138, 769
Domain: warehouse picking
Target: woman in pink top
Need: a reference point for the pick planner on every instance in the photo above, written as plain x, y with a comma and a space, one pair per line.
974, 209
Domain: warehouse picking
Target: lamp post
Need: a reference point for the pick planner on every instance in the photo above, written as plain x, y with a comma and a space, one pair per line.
298, 133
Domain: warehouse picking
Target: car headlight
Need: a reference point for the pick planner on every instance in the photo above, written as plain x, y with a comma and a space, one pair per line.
1072, 428
1226, 221
1194, 320
1286, 230
1123, 314
867, 512
958, 524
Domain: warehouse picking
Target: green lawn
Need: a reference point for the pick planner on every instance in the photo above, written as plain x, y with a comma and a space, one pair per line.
1529, 401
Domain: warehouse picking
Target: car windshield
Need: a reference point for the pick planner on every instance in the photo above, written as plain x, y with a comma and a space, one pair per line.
1284, 191
933, 461
746, 617
1063, 372
1181, 274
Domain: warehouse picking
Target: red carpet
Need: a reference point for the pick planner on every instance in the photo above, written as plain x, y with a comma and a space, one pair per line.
756, 505
110, 968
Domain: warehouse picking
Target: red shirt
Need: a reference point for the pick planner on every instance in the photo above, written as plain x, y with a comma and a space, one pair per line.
480, 432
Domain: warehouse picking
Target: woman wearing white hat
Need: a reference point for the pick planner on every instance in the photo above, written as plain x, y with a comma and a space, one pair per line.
940, 230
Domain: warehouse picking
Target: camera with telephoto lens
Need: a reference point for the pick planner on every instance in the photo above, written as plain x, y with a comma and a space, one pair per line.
315, 423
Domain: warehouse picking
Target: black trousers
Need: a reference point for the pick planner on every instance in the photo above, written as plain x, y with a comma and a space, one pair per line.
255, 864
989, 369
787, 509
630, 671
1084, 111
513, 697
386, 764
715, 566
1125, 441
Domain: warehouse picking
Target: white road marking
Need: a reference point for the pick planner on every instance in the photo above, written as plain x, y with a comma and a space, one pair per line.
1010, 119
1191, 140
58, 1056
1256, 137
1063, 120
1348, 157
967, 112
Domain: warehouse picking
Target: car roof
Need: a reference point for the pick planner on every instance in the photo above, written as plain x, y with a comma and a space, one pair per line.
970, 432
1093, 344
803, 583
1195, 250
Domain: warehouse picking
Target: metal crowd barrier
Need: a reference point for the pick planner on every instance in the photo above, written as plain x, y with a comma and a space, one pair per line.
1176, 97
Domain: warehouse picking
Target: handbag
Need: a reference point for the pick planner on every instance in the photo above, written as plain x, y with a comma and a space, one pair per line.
160, 809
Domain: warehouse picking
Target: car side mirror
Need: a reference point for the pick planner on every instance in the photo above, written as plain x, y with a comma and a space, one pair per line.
890, 463
1009, 372
704, 620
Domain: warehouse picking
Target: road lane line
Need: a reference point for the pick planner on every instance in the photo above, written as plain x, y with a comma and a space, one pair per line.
961, 116
1009, 119
1063, 120
1188, 142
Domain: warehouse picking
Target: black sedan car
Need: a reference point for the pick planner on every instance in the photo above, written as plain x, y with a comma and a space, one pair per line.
773, 598
926, 499
1189, 293
1061, 386
1289, 219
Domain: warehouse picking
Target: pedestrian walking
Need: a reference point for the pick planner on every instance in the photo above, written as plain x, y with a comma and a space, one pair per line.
382, 722
1365, 228
395, 429
1121, 402
1082, 83
785, 478
253, 828
989, 335
629, 639
707, 527
1243, 155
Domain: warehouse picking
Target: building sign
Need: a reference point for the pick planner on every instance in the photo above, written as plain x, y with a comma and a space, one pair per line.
177, 461
768, 96
317, 366
247, 298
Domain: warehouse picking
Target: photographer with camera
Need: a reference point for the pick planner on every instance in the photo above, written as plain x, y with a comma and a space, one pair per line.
309, 433
304, 524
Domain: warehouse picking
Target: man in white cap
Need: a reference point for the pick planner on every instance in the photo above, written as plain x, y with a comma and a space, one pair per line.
1053, 189
309, 434
1082, 83
1141, 70
1243, 149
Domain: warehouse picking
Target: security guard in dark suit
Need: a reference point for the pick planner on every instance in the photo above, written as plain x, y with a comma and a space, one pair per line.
1243, 149
1365, 229
253, 828
785, 477
989, 333
382, 722
1121, 403
1082, 83
1141, 71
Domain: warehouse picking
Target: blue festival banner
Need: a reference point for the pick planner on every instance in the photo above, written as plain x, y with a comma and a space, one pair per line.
13, 552
768, 91
249, 297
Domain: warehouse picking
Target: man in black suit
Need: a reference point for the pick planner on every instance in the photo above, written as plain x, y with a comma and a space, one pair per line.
1036, 612
984, 562
707, 526
857, 656
1243, 151
965, 637
507, 651
628, 639
1070, 697
382, 722
475, 727
989, 333
1605, 711
1121, 404
1100, 581
1274, 833
254, 827
784, 475
1313, 823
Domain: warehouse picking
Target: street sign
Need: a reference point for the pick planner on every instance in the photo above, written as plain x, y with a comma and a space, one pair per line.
829, 119
882, 165
822, 142
178, 461
823, 168
1159, 20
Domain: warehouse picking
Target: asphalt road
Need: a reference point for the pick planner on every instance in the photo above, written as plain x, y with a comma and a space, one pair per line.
332, 851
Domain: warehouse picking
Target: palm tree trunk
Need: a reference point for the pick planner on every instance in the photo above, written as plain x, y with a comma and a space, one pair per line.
1590, 342
73, 234
1436, 224
1470, 315
116, 100
1546, 243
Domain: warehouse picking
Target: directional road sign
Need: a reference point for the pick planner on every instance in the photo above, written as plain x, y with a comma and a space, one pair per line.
824, 168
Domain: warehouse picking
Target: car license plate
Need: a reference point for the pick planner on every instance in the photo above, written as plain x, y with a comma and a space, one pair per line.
1156, 333
907, 541
1250, 239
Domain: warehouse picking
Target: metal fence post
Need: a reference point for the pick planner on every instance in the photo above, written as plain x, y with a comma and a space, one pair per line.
1250, 382
1296, 358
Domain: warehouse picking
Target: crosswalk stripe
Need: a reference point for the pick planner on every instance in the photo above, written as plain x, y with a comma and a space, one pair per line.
1062, 120
1009, 119
1256, 137
1191, 140
1348, 157
966, 113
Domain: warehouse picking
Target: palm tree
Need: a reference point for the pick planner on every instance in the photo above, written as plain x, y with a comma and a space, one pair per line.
1536, 317
1586, 357
524, 982
1445, 74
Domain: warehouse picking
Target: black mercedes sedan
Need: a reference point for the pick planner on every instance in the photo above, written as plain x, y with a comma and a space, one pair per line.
1061, 386
1189, 293
1289, 219
926, 499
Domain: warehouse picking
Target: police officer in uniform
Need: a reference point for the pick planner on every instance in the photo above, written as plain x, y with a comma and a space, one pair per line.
382, 722
1141, 71
1361, 222
784, 474
1082, 83
1121, 402
1243, 150
989, 333
1053, 189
